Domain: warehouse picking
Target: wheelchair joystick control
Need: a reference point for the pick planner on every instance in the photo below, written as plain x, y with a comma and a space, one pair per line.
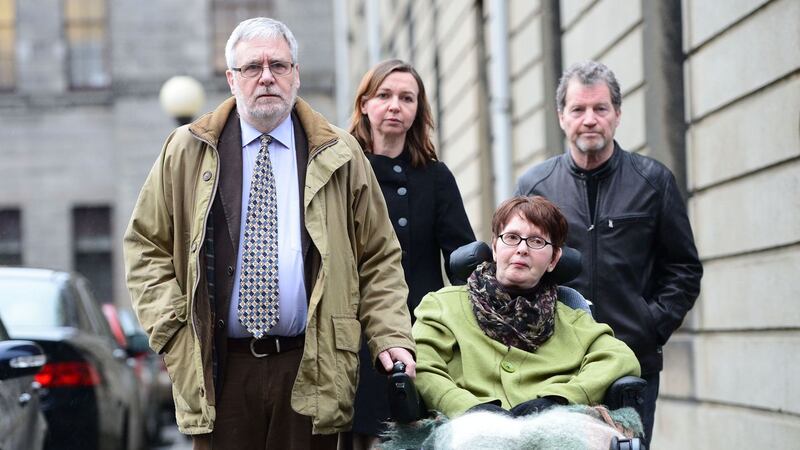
403, 399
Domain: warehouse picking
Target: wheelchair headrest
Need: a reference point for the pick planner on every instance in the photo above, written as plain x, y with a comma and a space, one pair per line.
466, 258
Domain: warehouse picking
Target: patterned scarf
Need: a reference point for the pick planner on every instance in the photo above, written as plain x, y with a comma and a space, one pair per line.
524, 322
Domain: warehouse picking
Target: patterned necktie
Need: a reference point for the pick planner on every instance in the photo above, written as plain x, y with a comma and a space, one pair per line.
258, 290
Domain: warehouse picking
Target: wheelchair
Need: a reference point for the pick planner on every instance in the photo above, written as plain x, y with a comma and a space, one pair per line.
407, 406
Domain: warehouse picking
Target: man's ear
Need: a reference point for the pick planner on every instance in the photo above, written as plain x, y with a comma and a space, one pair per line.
229, 77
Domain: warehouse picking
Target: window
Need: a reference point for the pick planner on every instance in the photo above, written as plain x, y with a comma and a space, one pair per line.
8, 36
92, 251
10, 237
226, 15
86, 33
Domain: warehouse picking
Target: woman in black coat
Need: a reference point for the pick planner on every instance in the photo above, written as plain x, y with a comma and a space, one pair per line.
392, 121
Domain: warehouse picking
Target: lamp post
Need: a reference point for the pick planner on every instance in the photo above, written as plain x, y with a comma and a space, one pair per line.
182, 97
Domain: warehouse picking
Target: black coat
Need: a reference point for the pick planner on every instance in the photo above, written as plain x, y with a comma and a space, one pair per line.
427, 212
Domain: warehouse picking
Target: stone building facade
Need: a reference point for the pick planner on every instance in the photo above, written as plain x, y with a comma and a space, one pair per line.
80, 119
712, 89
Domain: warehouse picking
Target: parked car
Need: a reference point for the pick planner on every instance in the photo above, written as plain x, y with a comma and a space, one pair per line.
88, 390
133, 330
22, 423
146, 366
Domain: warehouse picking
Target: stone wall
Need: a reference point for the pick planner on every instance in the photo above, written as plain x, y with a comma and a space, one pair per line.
713, 92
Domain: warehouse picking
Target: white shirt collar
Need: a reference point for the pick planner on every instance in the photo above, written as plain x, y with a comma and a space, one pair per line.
282, 133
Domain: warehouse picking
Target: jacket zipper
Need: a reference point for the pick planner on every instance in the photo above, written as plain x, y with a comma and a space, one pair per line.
592, 235
593, 287
627, 218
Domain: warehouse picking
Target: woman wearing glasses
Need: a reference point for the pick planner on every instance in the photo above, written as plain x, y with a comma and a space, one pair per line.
392, 122
503, 342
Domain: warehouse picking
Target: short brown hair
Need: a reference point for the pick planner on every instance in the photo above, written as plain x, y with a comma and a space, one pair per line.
536, 210
418, 139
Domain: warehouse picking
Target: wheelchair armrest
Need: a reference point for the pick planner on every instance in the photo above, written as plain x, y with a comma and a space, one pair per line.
626, 391
405, 404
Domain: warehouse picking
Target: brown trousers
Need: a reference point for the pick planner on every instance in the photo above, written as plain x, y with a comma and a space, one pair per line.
254, 410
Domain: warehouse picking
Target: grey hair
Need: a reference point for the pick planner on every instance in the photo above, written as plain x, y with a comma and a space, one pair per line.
259, 27
588, 73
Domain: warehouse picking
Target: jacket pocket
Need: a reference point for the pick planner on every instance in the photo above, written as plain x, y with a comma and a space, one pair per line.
627, 241
347, 335
649, 326
627, 219
185, 381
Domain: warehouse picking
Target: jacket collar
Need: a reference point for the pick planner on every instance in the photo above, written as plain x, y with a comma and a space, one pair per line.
607, 169
209, 126
318, 130
321, 135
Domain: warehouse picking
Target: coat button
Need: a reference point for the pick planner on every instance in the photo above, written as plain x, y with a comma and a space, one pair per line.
206, 175
402, 221
397, 168
230, 271
220, 324
508, 367
402, 191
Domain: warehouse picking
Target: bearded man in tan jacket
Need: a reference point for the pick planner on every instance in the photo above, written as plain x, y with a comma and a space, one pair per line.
259, 250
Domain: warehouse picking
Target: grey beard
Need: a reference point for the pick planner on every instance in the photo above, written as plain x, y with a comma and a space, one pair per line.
270, 118
589, 149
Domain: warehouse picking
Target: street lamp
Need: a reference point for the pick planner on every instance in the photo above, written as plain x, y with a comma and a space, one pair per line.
182, 97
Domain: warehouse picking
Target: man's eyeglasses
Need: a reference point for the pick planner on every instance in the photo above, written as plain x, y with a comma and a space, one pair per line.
278, 69
533, 242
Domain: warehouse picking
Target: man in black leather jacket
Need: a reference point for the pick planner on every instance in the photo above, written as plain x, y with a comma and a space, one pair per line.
628, 219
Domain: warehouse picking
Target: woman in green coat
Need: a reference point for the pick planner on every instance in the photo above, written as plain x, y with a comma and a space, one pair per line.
503, 342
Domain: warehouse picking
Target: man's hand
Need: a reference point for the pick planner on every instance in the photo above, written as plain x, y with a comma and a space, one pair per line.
388, 357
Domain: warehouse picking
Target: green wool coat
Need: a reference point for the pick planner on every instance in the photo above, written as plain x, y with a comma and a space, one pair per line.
458, 366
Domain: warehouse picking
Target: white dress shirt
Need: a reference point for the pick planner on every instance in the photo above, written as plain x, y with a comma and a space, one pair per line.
291, 284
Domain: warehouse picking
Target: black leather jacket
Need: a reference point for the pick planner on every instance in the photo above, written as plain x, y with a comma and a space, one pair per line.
640, 264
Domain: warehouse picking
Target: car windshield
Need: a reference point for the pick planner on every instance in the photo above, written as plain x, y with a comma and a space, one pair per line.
27, 304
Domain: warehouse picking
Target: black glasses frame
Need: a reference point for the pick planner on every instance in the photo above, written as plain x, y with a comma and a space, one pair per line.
527, 243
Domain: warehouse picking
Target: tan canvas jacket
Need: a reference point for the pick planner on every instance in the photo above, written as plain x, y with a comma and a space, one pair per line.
359, 284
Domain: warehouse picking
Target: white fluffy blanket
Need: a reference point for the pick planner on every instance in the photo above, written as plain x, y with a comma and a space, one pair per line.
560, 428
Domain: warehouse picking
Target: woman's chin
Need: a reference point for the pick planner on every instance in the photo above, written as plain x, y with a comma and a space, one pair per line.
525, 283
